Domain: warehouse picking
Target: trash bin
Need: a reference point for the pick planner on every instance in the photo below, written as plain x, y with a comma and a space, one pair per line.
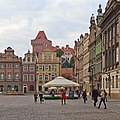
71, 95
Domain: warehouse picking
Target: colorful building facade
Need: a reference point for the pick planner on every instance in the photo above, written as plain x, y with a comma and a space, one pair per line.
10, 71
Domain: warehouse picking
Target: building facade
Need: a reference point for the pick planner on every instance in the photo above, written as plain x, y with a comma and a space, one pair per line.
48, 65
86, 81
92, 52
79, 61
28, 73
110, 29
10, 71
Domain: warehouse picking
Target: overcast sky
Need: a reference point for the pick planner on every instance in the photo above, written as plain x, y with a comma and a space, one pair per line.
62, 20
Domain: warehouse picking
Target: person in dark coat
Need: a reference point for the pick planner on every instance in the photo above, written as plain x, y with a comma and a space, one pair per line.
35, 97
84, 95
41, 97
95, 96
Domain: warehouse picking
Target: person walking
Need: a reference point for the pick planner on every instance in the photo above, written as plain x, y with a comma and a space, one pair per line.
84, 95
102, 99
41, 97
95, 96
35, 97
63, 100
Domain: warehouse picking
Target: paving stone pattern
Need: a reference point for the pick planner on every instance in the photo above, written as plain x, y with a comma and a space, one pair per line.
23, 108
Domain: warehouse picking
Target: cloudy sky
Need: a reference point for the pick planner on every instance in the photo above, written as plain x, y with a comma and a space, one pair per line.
62, 20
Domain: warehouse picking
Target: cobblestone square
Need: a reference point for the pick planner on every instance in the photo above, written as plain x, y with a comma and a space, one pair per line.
23, 108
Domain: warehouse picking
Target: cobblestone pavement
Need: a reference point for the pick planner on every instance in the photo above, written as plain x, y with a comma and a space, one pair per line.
23, 108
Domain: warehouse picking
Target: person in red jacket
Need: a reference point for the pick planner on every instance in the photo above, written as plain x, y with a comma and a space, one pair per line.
64, 97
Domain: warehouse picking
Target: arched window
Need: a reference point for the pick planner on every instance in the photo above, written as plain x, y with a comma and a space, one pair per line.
31, 88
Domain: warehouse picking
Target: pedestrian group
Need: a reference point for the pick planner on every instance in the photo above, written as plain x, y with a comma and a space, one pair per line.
95, 94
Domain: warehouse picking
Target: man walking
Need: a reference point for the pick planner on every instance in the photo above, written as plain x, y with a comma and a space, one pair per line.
84, 95
95, 96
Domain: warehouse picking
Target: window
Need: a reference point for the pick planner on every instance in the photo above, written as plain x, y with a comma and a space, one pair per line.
116, 81
16, 65
9, 65
31, 77
53, 76
49, 57
53, 67
46, 67
31, 68
1, 65
25, 68
16, 76
1, 76
40, 77
46, 77
9, 75
117, 54
112, 81
25, 77
40, 67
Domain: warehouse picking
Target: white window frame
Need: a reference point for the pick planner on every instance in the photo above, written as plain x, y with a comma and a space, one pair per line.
32, 76
25, 75
25, 68
46, 67
53, 67
46, 77
40, 77
32, 68
40, 67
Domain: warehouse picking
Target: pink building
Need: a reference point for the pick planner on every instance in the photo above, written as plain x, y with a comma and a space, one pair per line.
28, 73
10, 71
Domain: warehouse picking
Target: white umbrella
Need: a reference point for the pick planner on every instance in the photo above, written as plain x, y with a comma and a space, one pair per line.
61, 82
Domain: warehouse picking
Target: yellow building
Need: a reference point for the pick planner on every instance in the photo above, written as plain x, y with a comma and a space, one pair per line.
48, 67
